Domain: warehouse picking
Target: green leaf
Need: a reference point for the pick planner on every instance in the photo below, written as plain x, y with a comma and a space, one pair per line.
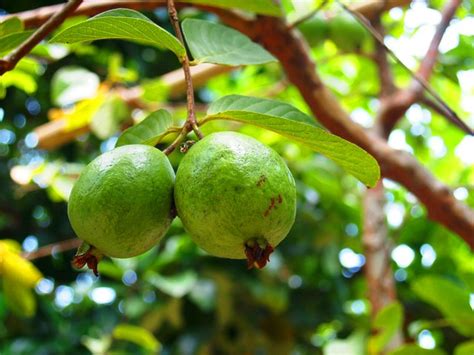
72, 84
121, 24
20, 79
12, 41
450, 299
412, 349
11, 25
264, 7
176, 285
288, 121
20, 299
214, 43
106, 121
386, 324
149, 131
466, 348
138, 335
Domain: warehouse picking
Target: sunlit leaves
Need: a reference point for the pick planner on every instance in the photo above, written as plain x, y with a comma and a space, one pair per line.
106, 120
290, 122
71, 84
121, 24
214, 43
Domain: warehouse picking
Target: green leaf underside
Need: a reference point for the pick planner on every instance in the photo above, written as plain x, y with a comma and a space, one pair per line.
150, 131
214, 43
121, 24
13, 40
263, 7
289, 122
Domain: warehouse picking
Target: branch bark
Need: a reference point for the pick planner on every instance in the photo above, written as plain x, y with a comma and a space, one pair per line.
50, 249
11, 60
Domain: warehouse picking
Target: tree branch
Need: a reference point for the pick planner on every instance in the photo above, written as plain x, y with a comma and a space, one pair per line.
441, 110
11, 60
394, 109
58, 247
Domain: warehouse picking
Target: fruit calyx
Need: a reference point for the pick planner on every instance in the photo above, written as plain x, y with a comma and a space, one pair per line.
258, 252
87, 255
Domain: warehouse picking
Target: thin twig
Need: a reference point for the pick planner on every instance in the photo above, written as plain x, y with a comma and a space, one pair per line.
53, 248
191, 123
308, 15
421, 80
447, 114
11, 60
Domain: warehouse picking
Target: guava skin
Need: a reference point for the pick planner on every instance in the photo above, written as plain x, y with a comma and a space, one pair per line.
235, 196
121, 204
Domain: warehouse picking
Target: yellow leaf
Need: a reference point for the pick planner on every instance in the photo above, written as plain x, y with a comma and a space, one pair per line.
10, 245
81, 114
22, 272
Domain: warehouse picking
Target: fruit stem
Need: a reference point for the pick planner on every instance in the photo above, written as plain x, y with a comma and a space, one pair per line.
257, 251
87, 255
191, 122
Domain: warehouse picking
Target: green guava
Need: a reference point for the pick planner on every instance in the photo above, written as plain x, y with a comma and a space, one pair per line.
121, 205
235, 196
315, 30
347, 33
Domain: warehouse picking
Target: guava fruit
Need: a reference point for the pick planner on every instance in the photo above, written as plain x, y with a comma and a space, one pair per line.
121, 205
315, 30
346, 32
235, 196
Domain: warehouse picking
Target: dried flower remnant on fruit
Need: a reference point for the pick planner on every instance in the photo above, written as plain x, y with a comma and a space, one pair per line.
257, 252
87, 255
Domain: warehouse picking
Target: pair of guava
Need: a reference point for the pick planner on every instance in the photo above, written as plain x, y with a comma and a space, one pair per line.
235, 196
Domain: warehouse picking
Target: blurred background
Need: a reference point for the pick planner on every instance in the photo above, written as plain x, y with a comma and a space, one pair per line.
63, 106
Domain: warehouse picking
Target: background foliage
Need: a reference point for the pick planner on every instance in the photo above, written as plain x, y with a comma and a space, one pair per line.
311, 298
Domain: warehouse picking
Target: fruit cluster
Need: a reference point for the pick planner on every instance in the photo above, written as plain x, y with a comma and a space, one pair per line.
235, 196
